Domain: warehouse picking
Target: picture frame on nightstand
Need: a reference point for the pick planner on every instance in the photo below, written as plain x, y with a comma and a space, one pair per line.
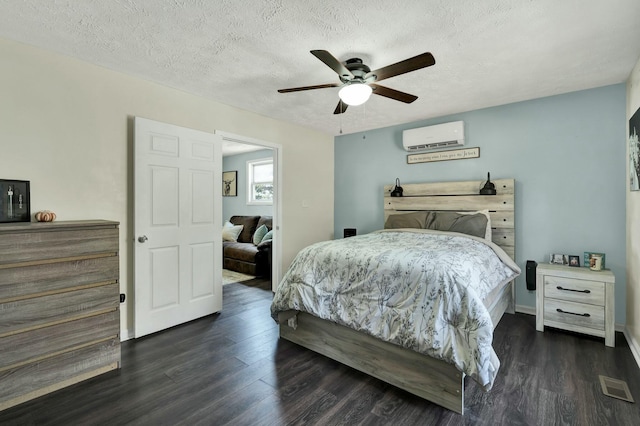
589, 255
574, 261
558, 259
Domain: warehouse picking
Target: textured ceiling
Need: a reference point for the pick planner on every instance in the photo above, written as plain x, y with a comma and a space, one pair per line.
487, 52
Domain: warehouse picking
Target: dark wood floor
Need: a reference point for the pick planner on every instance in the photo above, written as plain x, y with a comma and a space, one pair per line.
231, 368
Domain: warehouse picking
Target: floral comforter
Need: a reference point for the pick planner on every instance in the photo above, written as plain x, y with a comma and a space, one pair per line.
419, 289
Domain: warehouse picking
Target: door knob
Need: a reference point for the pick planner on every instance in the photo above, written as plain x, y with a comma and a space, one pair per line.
142, 239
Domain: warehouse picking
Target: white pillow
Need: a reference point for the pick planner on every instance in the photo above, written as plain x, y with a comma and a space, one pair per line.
487, 232
230, 232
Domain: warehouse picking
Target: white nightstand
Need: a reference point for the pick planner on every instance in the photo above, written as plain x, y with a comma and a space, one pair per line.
576, 299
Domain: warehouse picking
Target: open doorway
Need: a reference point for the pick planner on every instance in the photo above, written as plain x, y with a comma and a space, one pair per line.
251, 208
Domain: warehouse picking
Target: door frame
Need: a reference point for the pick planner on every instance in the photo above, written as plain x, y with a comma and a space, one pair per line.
276, 246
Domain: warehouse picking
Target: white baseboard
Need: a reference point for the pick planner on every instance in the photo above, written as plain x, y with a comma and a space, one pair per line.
633, 344
525, 309
125, 335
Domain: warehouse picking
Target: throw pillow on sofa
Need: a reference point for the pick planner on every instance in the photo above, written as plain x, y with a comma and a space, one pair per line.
268, 236
259, 234
230, 232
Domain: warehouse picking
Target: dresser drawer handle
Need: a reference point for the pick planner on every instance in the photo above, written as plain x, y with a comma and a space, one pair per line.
572, 313
570, 289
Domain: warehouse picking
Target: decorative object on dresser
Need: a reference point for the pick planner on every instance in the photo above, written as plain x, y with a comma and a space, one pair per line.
59, 298
430, 378
558, 259
14, 201
589, 259
45, 216
595, 263
576, 299
574, 260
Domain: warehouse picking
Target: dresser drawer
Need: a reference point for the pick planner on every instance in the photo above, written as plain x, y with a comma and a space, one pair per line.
42, 311
29, 380
29, 281
574, 290
32, 346
20, 248
571, 313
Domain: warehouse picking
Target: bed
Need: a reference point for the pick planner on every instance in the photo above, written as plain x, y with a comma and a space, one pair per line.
395, 358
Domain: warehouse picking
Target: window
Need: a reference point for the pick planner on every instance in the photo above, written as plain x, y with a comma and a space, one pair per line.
260, 181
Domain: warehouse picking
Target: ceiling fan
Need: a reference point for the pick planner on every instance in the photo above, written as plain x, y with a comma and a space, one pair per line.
358, 82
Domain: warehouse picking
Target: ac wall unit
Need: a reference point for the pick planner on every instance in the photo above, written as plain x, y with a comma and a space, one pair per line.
446, 135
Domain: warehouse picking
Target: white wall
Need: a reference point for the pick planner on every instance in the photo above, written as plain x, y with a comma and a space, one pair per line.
633, 229
66, 126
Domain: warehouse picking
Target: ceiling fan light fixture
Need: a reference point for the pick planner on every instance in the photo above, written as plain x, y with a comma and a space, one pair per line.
355, 93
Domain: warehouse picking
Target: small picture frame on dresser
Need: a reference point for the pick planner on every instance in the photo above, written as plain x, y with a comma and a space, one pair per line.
588, 258
558, 259
14, 201
574, 260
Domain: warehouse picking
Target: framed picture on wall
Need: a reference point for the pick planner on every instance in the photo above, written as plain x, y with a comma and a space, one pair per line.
230, 184
14, 201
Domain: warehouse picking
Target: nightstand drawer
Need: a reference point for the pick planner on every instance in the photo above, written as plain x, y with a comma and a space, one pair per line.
574, 290
576, 314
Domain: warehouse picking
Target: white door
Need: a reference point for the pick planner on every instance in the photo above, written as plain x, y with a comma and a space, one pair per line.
178, 223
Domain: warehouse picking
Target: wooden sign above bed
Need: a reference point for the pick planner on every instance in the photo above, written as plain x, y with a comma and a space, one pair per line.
461, 196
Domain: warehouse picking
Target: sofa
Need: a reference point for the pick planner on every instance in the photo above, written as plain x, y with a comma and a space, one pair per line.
243, 255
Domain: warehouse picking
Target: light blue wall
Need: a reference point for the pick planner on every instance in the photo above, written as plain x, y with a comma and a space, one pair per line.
232, 206
567, 154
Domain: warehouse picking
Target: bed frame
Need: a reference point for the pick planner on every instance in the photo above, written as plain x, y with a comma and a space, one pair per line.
429, 378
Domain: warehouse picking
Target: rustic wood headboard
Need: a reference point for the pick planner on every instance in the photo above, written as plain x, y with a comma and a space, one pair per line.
461, 196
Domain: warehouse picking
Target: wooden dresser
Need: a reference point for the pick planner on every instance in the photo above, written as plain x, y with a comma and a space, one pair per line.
59, 306
576, 299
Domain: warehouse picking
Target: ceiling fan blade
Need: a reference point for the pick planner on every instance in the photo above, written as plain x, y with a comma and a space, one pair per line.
393, 94
333, 63
417, 62
299, 89
340, 108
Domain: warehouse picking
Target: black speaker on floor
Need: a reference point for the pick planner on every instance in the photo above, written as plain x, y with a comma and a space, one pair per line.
531, 274
349, 232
